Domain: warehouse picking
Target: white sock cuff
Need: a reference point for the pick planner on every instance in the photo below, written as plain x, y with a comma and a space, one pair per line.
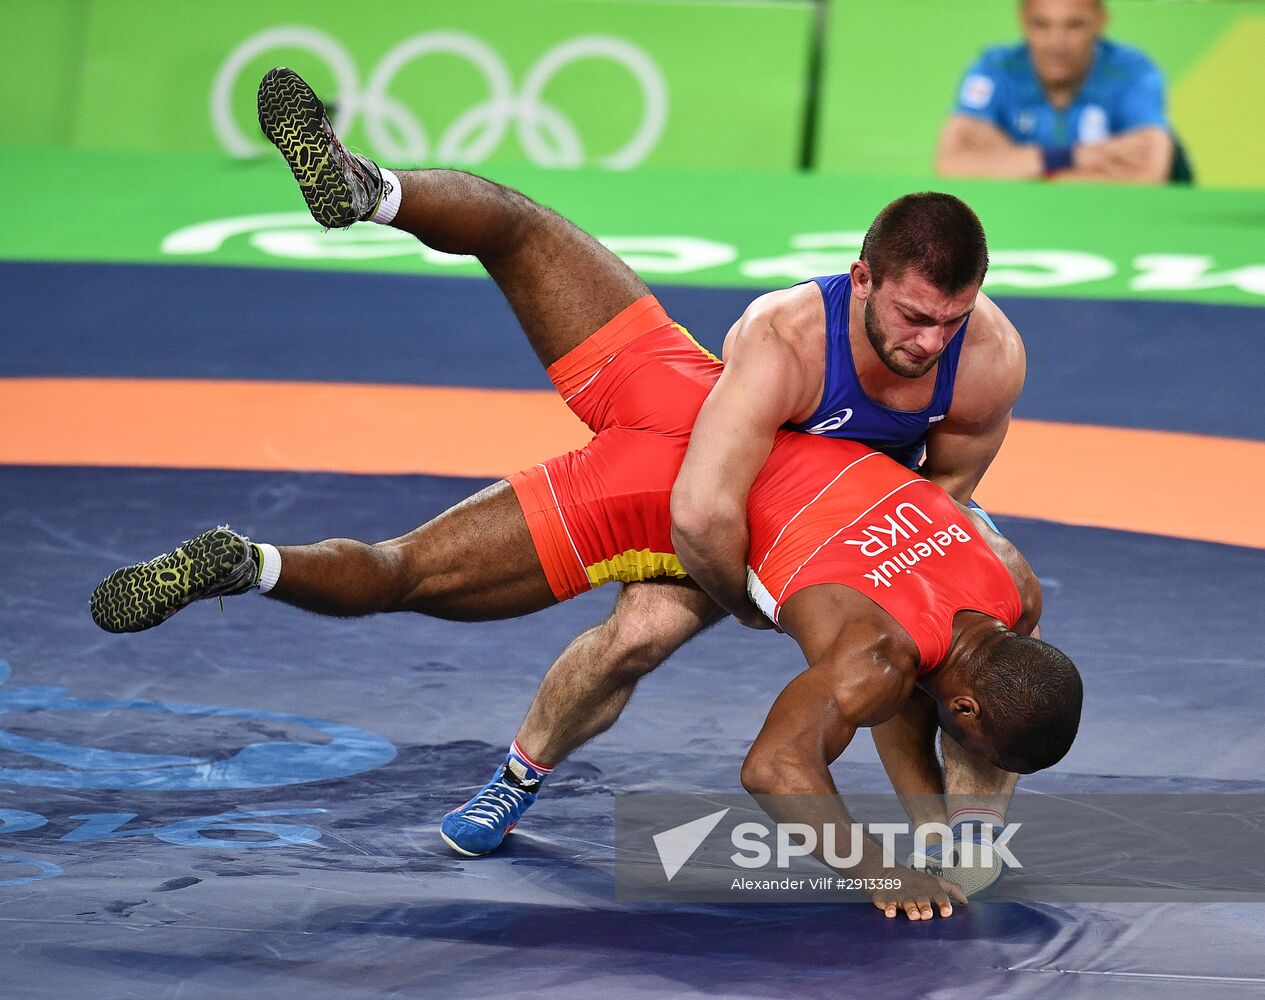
390, 198
984, 817
522, 755
270, 571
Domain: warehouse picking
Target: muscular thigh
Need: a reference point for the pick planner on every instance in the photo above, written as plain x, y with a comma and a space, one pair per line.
475, 561
660, 616
562, 284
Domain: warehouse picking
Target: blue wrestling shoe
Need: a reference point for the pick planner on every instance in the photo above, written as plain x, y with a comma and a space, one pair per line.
480, 826
976, 869
930, 861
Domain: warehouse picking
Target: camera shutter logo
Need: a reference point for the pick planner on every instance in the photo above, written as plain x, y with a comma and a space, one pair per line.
678, 845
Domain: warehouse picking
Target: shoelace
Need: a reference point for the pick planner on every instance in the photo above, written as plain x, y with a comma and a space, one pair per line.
493, 805
356, 166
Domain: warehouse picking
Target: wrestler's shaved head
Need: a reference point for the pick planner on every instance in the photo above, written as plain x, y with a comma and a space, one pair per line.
1030, 697
935, 235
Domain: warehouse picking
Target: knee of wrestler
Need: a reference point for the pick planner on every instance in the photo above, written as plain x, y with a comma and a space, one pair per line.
636, 642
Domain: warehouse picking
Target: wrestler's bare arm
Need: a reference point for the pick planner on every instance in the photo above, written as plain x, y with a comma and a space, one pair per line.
1025, 578
906, 745
990, 378
764, 384
810, 724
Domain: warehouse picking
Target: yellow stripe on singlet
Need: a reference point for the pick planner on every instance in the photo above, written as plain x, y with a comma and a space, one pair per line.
634, 565
690, 337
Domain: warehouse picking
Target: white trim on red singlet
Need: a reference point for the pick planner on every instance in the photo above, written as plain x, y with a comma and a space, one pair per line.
790, 580
563, 521
806, 506
590, 381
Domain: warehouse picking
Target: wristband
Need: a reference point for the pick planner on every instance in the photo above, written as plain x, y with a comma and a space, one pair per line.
1054, 159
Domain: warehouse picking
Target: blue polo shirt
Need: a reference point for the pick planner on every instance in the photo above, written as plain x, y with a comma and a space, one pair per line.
1124, 91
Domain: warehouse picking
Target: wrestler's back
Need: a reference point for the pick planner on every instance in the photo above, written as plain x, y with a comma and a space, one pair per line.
837, 512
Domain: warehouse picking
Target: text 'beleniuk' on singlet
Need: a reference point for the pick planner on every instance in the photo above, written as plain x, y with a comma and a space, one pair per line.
847, 412
838, 513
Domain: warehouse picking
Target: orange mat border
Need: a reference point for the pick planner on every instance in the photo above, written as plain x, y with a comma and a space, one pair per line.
1159, 482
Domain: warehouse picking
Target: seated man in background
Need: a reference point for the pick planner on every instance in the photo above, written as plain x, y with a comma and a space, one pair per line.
1067, 104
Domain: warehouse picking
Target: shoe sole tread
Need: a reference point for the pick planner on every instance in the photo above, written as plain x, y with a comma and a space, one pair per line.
139, 597
293, 118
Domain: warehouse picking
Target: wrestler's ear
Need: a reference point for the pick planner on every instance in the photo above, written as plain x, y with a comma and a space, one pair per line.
862, 280
963, 707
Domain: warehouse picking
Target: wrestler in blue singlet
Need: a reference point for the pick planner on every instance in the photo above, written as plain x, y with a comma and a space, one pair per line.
847, 412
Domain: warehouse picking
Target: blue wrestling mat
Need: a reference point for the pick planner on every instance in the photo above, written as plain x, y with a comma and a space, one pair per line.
245, 802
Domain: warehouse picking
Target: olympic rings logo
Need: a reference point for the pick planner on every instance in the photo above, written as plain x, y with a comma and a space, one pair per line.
548, 137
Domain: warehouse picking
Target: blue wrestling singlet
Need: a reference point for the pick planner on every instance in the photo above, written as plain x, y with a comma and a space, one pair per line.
846, 411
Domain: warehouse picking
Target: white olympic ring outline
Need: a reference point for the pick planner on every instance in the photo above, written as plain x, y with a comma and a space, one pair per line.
547, 136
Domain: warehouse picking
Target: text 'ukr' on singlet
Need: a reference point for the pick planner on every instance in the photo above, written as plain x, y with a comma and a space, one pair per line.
835, 512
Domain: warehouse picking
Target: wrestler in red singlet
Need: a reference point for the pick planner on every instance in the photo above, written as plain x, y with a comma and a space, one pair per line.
821, 511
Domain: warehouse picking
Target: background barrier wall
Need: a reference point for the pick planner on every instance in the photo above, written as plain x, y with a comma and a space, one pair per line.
892, 71
552, 82
43, 66
714, 84
756, 230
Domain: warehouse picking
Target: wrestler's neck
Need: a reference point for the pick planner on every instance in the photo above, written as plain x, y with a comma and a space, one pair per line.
973, 633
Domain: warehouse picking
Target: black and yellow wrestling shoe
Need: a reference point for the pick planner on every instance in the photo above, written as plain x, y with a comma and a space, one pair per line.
213, 564
340, 187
